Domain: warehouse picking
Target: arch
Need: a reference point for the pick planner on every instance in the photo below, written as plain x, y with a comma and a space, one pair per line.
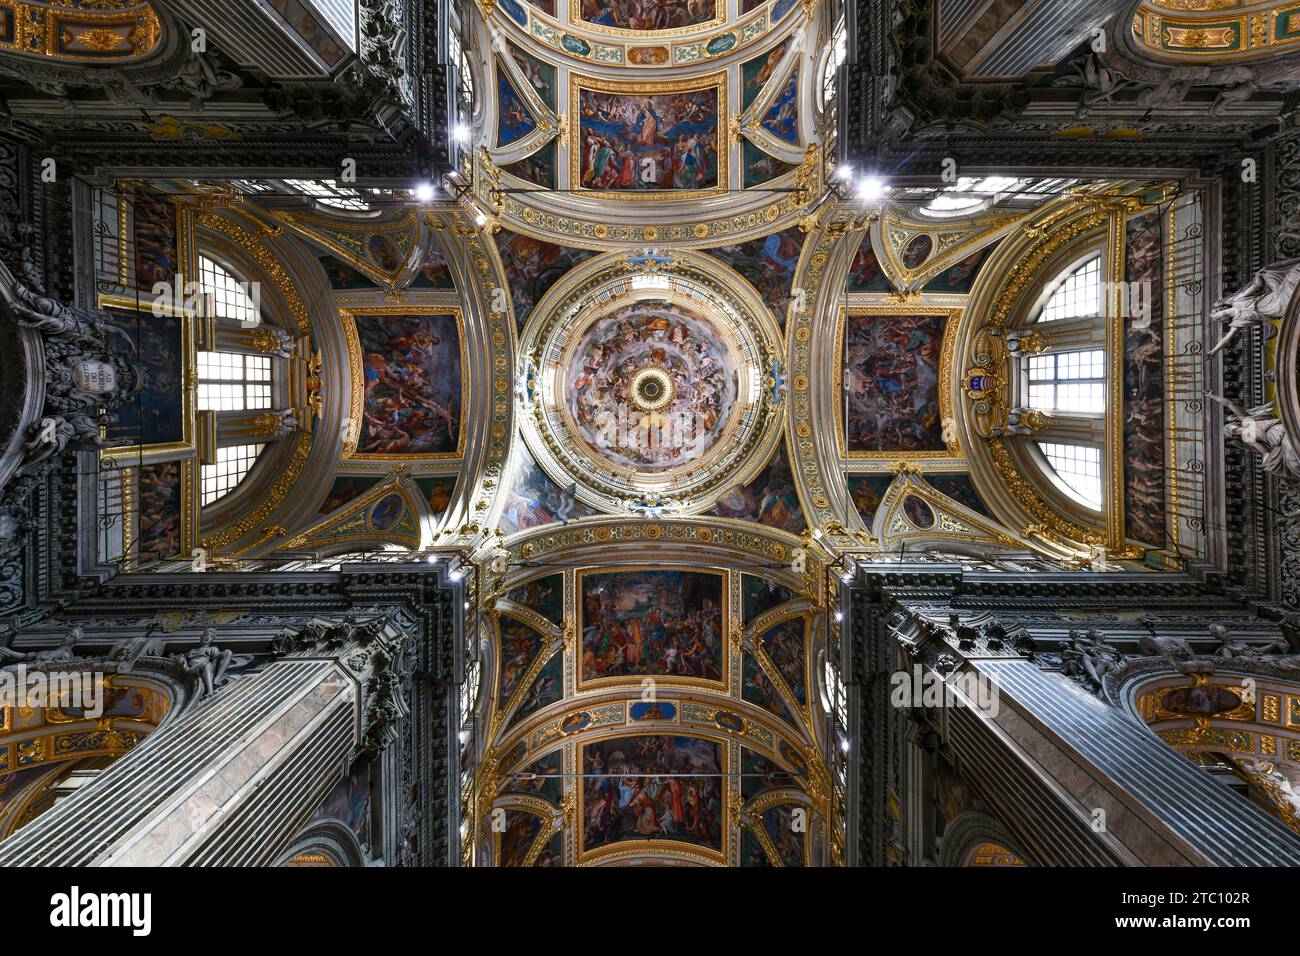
325, 843
65, 32
1238, 721
1239, 31
97, 717
971, 832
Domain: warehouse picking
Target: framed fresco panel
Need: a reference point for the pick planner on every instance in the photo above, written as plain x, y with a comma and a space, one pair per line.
637, 623
897, 402
661, 17
159, 521
408, 382
649, 141
652, 790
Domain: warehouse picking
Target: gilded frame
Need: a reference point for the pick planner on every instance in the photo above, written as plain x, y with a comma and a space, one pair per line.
719, 18
189, 385
715, 81
600, 683
655, 847
953, 316
189, 510
348, 316
791, 611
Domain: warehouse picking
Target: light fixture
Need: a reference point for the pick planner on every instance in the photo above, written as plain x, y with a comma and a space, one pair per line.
870, 187
460, 133
843, 174
424, 192
480, 219
839, 616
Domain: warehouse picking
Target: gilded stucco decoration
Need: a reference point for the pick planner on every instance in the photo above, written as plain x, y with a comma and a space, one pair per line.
119, 32
648, 376
620, 159
660, 708
1214, 30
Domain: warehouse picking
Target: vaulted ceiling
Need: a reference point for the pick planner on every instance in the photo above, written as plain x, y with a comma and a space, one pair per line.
656, 365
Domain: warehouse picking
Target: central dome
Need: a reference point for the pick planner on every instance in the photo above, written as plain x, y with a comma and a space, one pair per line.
651, 385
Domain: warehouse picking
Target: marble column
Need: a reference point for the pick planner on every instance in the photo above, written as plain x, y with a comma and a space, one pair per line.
1083, 784
226, 783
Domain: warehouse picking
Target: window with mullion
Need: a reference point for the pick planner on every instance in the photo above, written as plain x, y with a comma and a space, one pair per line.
232, 381
1068, 382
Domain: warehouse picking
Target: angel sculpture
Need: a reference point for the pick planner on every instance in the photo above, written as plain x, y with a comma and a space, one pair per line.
48, 655
49, 316
1175, 650
1089, 658
1264, 299
1263, 431
1100, 83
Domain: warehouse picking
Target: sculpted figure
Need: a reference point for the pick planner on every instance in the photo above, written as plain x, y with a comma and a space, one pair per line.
1265, 433
64, 652
1088, 658
1264, 299
206, 662
49, 316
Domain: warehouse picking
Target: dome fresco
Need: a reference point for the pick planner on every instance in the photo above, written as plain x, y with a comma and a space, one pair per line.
651, 386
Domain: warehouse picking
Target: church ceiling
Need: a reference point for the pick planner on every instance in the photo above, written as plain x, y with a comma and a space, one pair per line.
651, 374
651, 123
620, 361
513, 383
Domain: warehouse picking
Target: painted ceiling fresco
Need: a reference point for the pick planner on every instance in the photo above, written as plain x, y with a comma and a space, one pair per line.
645, 142
412, 366
627, 744
892, 388
729, 114
652, 384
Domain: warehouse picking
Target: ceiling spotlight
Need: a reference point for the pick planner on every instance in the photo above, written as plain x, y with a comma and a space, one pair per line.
870, 187
843, 174
460, 133
424, 192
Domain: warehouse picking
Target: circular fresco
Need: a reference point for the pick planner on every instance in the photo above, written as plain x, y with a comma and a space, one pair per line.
646, 389
651, 385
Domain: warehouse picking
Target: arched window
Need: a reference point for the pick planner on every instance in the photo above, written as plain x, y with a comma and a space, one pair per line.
1062, 389
230, 298
232, 464
834, 59
1075, 469
1068, 381
1075, 294
232, 381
